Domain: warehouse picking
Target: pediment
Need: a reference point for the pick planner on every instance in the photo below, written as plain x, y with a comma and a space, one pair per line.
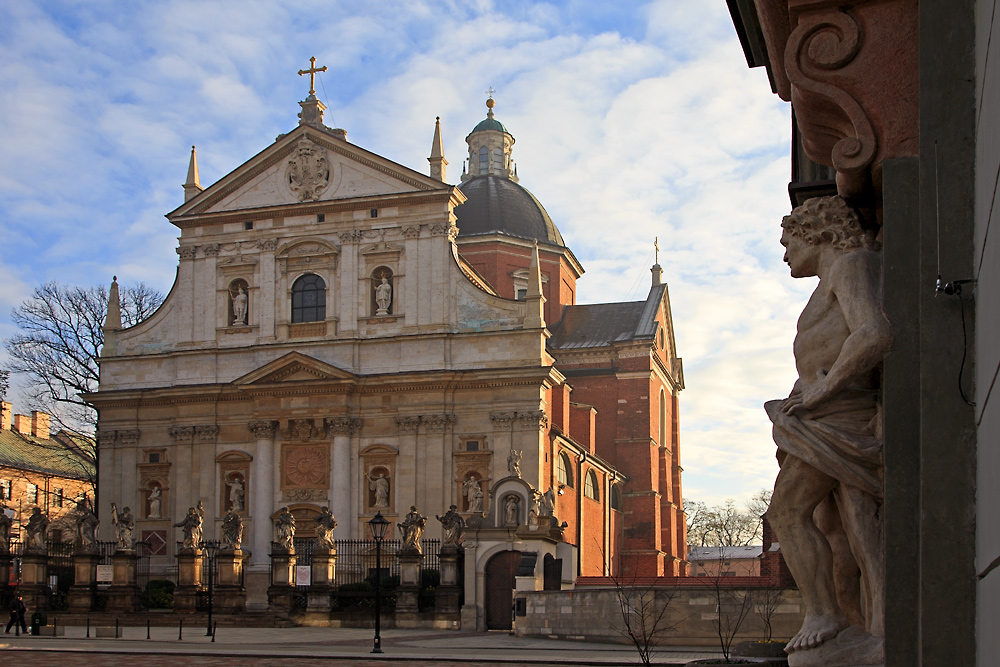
306, 165
293, 367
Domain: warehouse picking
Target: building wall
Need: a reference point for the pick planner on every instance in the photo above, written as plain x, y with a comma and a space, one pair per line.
595, 614
58, 507
986, 270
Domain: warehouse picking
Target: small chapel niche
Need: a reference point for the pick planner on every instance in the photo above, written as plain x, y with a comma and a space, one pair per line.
234, 475
238, 303
382, 292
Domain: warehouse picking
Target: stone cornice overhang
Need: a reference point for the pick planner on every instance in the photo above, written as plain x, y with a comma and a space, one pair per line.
450, 195
414, 381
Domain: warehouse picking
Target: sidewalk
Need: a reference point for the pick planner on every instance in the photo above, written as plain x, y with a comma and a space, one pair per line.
432, 646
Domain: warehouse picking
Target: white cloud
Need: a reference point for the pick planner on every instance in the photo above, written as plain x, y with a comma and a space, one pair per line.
632, 122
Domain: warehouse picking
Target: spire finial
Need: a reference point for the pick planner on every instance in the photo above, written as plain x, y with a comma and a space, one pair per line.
656, 246
312, 74
437, 159
657, 270
192, 186
490, 102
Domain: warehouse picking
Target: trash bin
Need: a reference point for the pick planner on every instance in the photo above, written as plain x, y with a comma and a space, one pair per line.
38, 619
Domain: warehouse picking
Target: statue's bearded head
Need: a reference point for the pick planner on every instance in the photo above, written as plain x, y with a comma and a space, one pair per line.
828, 220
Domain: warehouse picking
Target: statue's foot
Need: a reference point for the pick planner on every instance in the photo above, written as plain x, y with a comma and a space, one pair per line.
815, 630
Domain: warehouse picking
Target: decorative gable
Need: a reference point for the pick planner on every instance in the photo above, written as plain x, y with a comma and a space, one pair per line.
305, 166
293, 368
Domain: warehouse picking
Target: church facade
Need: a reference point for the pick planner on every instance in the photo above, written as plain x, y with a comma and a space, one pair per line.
347, 332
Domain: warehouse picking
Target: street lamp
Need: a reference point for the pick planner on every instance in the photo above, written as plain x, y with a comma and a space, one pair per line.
378, 526
210, 548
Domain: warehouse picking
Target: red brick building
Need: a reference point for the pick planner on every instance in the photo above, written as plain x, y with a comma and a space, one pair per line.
614, 434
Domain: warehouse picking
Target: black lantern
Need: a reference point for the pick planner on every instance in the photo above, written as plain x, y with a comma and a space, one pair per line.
378, 526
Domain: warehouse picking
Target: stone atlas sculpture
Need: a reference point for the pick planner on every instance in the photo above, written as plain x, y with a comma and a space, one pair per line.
38, 523
240, 307
155, 502
232, 530
380, 485
452, 528
284, 530
87, 524
826, 507
383, 297
474, 492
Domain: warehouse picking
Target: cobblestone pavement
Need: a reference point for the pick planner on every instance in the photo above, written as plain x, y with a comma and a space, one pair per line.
63, 659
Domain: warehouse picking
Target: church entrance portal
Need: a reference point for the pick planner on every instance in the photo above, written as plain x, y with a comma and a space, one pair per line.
500, 572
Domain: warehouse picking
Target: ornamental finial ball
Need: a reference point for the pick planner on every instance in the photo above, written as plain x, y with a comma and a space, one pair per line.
490, 103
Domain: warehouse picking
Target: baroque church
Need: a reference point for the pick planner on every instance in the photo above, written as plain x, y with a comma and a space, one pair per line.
347, 332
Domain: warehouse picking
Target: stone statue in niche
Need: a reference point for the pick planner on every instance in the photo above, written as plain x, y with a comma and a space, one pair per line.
411, 529
87, 524
383, 297
284, 531
237, 493
380, 485
240, 307
514, 463
5, 524
452, 525
124, 525
510, 511
38, 523
474, 492
191, 525
826, 507
155, 502
325, 524
232, 530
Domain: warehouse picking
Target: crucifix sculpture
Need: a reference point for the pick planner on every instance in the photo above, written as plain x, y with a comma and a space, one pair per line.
312, 74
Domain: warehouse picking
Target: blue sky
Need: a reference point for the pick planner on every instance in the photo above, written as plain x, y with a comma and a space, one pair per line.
632, 120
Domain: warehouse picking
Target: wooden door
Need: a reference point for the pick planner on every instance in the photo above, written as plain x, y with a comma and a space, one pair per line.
500, 573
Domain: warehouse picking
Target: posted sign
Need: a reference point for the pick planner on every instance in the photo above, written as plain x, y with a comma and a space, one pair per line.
105, 574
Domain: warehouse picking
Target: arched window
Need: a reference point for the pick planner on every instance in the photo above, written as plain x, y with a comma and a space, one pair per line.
497, 159
663, 419
309, 299
616, 497
591, 489
484, 160
564, 470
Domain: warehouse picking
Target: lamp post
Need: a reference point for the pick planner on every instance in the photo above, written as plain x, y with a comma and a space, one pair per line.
210, 547
378, 526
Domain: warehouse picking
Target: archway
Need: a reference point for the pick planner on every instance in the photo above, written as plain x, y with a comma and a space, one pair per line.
501, 570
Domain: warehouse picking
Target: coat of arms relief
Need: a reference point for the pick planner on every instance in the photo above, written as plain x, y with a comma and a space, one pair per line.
308, 172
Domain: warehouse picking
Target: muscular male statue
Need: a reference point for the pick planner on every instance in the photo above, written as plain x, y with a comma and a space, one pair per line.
826, 507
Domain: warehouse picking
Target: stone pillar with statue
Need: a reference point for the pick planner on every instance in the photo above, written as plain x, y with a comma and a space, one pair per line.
189, 561
230, 593
34, 563
123, 596
411, 558
447, 596
324, 564
281, 592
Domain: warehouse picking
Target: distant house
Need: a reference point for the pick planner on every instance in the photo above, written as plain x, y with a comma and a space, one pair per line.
724, 561
38, 469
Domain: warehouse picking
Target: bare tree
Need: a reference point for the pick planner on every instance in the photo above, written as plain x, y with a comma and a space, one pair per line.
643, 606
4, 383
732, 606
765, 603
727, 524
60, 341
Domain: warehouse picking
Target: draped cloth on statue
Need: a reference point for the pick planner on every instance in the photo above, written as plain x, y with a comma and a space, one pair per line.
839, 438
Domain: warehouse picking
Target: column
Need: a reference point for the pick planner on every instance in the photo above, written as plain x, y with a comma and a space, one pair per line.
342, 482
262, 498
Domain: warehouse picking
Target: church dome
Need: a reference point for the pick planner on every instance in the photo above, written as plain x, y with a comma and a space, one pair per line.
497, 205
490, 124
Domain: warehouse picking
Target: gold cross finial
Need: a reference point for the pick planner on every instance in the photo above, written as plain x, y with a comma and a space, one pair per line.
490, 92
312, 74
656, 245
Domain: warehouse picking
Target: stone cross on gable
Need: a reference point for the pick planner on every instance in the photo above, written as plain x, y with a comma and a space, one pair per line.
312, 74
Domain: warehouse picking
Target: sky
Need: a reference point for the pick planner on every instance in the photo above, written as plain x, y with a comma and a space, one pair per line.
633, 121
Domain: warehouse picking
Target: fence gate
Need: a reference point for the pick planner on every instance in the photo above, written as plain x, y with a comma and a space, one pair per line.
501, 570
